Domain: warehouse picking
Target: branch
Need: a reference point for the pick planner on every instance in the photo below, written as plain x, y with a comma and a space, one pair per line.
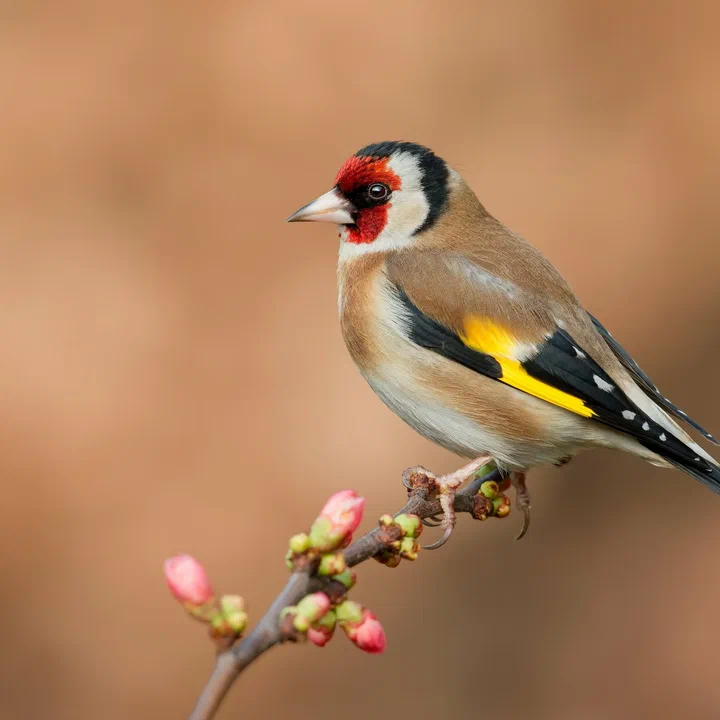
272, 630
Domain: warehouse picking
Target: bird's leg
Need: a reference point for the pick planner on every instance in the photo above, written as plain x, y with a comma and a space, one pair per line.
522, 499
447, 488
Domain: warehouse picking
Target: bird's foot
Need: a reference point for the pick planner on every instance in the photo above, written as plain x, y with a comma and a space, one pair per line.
522, 499
433, 521
447, 487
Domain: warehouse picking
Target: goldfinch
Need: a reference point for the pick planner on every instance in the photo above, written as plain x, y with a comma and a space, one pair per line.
473, 338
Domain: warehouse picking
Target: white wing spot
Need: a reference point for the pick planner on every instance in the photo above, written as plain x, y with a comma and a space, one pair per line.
579, 353
663, 437
697, 459
603, 384
628, 414
645, 426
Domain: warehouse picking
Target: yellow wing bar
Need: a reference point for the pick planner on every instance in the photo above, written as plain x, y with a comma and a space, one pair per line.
492, 339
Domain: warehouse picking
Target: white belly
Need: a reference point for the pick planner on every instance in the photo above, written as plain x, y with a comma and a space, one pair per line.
463, 435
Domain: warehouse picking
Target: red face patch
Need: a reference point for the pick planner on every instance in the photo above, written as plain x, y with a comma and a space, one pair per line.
360, 171
357, 174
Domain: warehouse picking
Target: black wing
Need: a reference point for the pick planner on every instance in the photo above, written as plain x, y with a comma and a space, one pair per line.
645, 382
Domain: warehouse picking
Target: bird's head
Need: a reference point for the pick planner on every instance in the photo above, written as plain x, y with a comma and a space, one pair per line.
384, 196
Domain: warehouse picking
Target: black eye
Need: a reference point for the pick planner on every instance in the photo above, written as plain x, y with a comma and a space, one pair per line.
378, 191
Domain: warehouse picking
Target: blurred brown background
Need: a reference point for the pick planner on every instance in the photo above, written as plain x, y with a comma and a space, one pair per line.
173, 378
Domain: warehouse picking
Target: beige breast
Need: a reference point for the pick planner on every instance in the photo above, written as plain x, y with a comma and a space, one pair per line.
357, 304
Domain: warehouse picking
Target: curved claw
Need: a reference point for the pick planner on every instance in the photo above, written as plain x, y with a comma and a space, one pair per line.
526, 523
439, 543
432, 521
416, 470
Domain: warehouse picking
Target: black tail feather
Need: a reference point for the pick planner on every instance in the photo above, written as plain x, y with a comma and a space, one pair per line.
710, 477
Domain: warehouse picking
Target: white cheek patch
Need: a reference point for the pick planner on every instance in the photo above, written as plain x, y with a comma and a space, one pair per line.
409, 208
406, 213
407, 168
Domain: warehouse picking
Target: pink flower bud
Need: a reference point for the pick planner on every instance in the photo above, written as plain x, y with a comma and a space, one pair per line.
187, 580
322, 631
368, 634
319, 636
345, 510
337, 520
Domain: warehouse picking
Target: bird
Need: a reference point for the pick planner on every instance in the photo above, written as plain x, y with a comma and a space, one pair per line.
472, 337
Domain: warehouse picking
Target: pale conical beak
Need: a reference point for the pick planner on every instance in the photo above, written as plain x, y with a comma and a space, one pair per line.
330, 207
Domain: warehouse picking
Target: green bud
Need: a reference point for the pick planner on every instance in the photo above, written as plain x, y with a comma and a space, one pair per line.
218, 624
409, 549
490, 489
301, 624
237, 620
232, 609
300, 543
231, 603
346, 577
332, 564
386, 520
349, 612
411, 525
321, 536
327, 621
501, 507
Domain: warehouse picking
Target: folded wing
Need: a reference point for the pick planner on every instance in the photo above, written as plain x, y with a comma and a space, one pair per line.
556, 369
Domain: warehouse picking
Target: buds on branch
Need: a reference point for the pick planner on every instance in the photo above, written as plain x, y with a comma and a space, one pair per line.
189, 583
320, 560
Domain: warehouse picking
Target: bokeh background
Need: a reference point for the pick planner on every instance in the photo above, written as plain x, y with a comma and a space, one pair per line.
172, 376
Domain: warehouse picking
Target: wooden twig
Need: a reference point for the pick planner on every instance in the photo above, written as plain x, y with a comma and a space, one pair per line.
269, 632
